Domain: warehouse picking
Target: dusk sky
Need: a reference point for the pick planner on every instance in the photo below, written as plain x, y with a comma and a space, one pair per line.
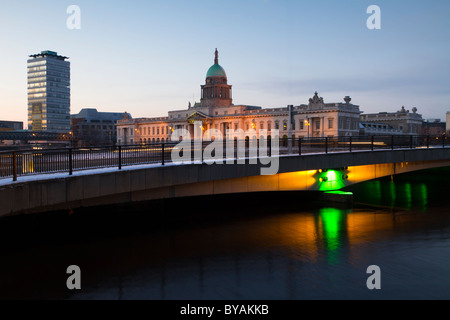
150, 57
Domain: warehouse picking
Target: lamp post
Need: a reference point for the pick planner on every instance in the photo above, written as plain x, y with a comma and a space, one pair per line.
290, 108
71, 138
307, 124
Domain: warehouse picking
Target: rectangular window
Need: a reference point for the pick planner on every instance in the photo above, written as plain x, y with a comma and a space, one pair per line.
318, 125
302, 124
330, 123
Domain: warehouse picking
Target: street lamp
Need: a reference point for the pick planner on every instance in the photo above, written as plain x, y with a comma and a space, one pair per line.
307, 124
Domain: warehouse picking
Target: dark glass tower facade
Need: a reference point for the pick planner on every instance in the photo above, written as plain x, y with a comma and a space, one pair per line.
48, 92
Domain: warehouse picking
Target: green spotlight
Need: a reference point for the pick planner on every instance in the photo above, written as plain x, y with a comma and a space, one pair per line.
331, 179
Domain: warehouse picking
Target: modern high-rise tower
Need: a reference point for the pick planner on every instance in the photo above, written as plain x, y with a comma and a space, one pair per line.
48, 92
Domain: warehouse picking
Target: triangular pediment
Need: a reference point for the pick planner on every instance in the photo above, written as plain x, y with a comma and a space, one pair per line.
197, 115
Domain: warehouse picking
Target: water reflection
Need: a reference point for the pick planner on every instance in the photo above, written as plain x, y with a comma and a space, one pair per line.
392, 194
306, 253
271, 258
333, 222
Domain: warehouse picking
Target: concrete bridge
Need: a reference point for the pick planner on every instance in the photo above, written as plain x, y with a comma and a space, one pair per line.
318, 172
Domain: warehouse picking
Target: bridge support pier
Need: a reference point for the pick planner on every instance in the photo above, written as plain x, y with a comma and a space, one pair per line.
338, 196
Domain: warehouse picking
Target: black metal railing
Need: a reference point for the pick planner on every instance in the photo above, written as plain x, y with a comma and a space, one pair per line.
14, 164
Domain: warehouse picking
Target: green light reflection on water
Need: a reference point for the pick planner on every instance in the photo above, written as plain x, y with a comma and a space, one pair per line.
333, 226
393, 193
408, 196
424, 195
371, 192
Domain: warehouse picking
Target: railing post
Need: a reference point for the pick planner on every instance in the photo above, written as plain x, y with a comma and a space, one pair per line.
392, 142
350, 143
70, 162
201, 152
162, 154
428, 142
371, 143
193, 151
257, 150
14, 159
299, 146
269, 144
120, 157
326, 145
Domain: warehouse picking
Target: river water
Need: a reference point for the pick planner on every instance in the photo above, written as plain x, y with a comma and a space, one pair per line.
254, 246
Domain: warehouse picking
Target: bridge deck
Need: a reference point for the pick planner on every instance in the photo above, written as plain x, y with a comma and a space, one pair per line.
60, 191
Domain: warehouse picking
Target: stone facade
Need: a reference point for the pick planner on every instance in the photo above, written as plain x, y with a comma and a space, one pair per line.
217, 111
448, 122
409, 123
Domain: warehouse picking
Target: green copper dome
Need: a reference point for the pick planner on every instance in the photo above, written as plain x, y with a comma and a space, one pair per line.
216, 71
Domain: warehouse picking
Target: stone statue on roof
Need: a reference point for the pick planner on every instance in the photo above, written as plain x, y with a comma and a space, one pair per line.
316, 101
